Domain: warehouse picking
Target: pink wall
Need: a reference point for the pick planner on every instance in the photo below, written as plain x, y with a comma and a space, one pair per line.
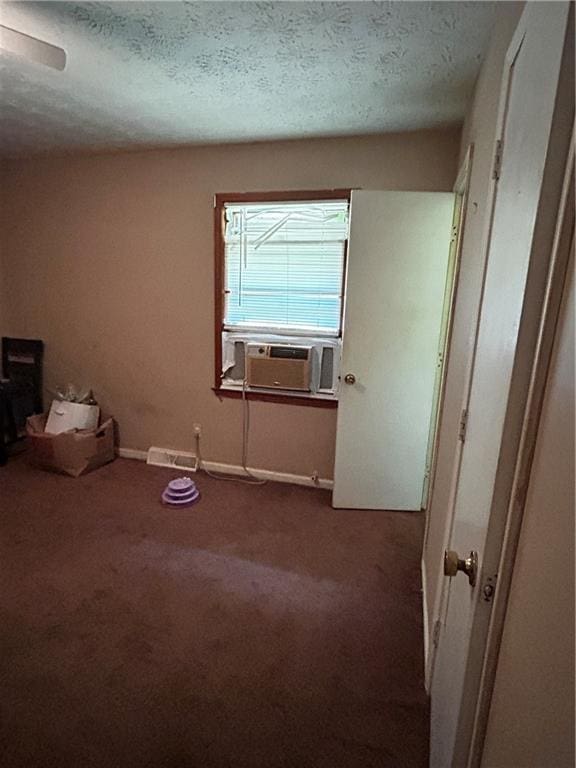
109, 259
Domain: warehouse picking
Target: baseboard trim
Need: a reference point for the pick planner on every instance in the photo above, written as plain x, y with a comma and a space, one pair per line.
425, 625
235, 469
132, 453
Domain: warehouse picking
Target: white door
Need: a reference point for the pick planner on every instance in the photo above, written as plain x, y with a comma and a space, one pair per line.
521, 236
397, 260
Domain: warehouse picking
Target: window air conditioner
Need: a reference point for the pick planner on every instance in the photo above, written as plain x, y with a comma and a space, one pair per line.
276, 366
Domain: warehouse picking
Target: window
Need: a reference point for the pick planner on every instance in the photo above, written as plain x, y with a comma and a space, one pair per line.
280, 266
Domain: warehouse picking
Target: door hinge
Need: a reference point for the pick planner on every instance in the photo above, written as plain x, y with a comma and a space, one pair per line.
497, 160
436, 633
463, 425
488, 588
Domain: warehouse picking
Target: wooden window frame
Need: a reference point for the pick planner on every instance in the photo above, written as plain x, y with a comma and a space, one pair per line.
260, 197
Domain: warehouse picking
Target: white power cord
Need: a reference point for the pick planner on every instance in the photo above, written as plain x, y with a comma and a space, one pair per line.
249, 478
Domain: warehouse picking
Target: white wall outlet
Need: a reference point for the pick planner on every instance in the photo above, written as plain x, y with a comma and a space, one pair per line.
197, 428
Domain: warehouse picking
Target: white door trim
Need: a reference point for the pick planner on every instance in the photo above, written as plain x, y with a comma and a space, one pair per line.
477, 685
535, 337
563, 243
441, 591
460, 189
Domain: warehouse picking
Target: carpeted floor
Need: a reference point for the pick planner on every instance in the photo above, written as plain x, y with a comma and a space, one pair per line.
259, 629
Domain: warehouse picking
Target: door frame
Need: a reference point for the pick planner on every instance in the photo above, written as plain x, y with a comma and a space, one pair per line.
503, 534
460, 189
552, 238
546, 281
441, 593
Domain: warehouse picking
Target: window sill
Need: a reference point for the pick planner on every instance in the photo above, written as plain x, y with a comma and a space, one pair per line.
272, 397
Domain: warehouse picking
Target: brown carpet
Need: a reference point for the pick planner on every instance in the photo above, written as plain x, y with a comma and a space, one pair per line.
259, 629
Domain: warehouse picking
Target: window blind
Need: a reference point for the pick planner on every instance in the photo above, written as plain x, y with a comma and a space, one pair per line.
284, 265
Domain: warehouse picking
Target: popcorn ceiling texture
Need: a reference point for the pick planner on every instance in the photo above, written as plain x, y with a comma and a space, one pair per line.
167, 73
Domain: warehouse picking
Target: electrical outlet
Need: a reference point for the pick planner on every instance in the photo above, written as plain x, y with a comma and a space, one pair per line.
197, 428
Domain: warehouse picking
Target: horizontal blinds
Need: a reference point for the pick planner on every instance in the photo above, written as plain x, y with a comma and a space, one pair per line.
284, 264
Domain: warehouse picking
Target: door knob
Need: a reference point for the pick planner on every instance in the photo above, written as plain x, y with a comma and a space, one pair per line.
469, 566
350, 378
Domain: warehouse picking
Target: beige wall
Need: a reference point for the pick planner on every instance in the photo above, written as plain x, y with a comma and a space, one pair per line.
109, 259
480, 131
531, 721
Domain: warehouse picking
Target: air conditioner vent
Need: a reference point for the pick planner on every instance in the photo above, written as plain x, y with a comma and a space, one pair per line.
238, 370
279, 367
327, 368
290, 353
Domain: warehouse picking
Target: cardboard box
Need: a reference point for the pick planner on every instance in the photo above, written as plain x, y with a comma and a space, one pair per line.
71, 453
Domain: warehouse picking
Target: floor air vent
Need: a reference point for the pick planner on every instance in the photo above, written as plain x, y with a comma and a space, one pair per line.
165, 457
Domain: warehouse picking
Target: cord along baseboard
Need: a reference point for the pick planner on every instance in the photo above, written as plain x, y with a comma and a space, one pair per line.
234, 469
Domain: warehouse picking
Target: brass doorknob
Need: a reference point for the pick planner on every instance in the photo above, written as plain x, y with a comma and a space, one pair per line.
350, 378
469, 566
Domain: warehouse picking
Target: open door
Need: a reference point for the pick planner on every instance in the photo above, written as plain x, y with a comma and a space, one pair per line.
398, 255
536, 112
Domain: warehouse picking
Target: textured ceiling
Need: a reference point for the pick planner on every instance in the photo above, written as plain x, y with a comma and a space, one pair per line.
166, 73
